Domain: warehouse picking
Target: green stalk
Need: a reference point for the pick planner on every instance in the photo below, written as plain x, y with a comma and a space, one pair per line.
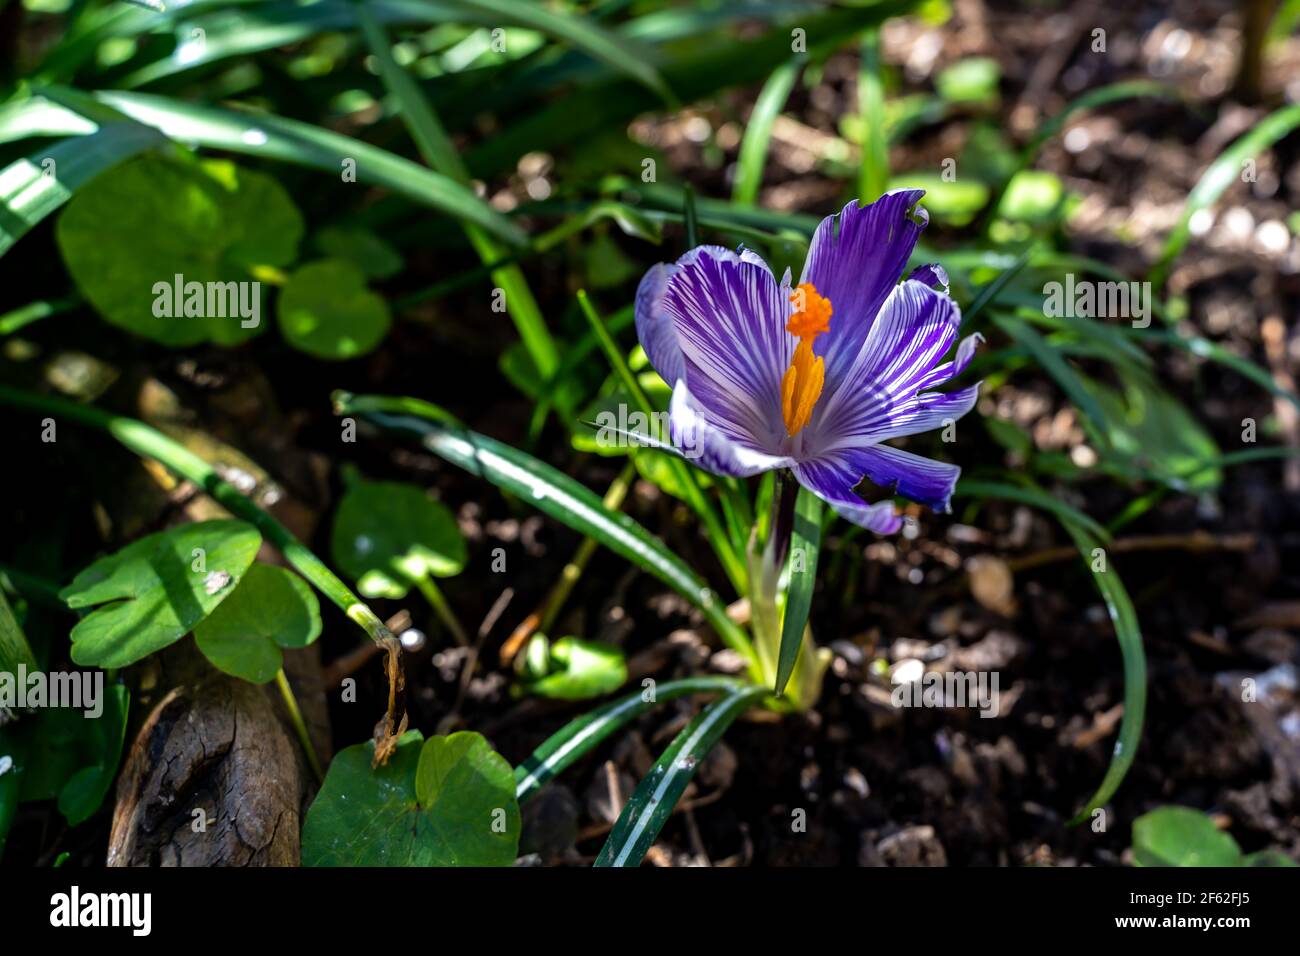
613, 500
438, 151
758, 132
148, 442
686, 477
299, 725
873, 177
433, 594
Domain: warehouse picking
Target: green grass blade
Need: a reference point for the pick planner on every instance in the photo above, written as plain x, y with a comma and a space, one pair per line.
1222, 173
624, 56
758, 132
873, 177
1101, 96
1202, 347
1284, 20
581, 735
711, 63
805, 543
274, 137
1120, 609
1035, 499
656, 796
438, 151
28, 193
553, 493
990, 292
1057, 367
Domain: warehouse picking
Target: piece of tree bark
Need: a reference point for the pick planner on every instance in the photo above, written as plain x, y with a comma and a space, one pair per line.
215, 746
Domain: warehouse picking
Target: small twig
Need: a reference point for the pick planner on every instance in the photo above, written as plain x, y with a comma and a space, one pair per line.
471, 659
544, 616
601, 829
1196, 541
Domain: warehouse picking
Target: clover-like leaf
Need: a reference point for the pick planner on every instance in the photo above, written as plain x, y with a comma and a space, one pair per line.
447, 801
388, 535
129, 234
326, 310
154, 591
572, 669
272, 608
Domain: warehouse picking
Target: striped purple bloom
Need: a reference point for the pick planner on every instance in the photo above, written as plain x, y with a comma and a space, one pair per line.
762, 381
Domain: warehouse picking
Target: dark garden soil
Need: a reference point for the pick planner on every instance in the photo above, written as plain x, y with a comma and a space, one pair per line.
1215, 578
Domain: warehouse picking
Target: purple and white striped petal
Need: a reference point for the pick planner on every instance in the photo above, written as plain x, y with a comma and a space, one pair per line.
950, 370
933, 275
696, 440
832, 479
654, 329
921, 413
729, 313
855, 260
916, 326
921, 479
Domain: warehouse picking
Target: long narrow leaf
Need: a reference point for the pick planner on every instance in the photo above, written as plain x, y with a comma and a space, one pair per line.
711, 64
805, 543
1120, 609
581, 735
1202, 347
1223, 172
656, 796
1056, 366
35, 186
554, 493
1033, 498
274, 137
758, 132
624, 56
439, 152
873, 176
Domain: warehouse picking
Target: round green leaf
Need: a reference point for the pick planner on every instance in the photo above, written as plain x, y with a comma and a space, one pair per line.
1033, 195
326, 310
1180, 836
367, 251
970, 80
388, 535
579, 670
272, 608
128, 234
449, 801
152, 592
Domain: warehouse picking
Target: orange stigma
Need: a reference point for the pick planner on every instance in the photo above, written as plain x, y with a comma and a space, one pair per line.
803, 381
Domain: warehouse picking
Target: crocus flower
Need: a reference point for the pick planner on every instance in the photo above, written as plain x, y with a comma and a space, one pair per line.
817, 377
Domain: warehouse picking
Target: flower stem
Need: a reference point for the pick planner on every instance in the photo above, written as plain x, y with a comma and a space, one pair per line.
433, 594
299, 726
782, 523
686, 477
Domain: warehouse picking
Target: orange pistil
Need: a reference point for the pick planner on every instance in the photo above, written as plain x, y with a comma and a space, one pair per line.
803, 381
